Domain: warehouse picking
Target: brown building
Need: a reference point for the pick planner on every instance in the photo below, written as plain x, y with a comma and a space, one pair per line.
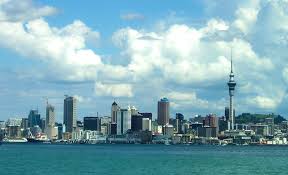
163, 112
211, 120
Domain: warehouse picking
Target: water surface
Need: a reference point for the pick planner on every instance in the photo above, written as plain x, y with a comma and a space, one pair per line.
34, 159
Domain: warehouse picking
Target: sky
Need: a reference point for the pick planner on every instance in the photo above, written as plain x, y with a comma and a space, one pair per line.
136, 52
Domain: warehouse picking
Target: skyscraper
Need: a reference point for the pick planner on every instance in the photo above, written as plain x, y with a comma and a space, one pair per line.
50, 115
92, 123
70, 115
114, 110
123, 120
180, 122
231, 84
163, 112
34, 118
50, 121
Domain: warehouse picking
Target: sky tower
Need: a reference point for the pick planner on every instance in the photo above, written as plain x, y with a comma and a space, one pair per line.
231, 84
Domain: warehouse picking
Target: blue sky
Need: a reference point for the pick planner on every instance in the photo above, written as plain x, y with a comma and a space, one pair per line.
140, 51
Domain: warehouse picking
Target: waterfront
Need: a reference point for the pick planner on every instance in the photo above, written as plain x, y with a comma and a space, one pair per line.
141, 159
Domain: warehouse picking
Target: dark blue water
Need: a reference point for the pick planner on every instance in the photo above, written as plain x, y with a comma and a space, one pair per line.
19, 159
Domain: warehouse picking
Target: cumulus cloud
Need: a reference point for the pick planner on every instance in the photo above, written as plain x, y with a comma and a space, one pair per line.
114, 90
62, 47
82, 99
264, 102
180, 99
181, 52
179, 55
23, 10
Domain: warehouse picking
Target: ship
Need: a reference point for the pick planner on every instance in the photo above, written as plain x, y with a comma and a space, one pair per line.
40, 138
14, 140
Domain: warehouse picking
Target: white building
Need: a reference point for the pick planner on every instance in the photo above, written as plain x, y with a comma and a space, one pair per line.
123, 120
146, 124
134, 110
14, 122
50, 130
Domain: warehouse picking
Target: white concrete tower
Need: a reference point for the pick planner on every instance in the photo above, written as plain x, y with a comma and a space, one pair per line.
231, 84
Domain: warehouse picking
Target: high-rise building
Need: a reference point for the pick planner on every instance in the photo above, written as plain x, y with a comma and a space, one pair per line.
231, 84
50, 128
70, 114
24, 124
163, 112
140, 120
14, 122
42, 124
146, 115
92, 123
180, 121
112, 129
114, 109
60, 130
146, 124
123, 121
34, 118
105, 120
211, 120
2, 124
50, 116
134, 110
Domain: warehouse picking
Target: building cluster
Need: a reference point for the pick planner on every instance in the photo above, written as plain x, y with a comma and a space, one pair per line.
129, 125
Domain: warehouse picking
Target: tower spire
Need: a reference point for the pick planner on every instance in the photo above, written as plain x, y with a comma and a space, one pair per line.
231, 59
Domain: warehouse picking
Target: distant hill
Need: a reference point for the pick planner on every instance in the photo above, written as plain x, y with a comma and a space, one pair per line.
258, 118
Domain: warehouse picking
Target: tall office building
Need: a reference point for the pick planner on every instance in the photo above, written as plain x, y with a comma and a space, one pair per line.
146, 124
114, 109
70, 115
231, 84
50, 116
141, 121
211, 120
24, 124
42, 124
163, 112
180, 122
123, 121
92, 123
134, 110
34, 118
50, 122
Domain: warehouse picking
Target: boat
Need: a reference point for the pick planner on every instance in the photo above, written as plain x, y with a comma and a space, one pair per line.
41, 138
14, 140
37, 140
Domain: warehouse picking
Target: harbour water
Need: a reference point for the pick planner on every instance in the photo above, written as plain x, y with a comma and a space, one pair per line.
32, 159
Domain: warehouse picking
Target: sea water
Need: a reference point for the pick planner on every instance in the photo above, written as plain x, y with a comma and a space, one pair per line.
41, 159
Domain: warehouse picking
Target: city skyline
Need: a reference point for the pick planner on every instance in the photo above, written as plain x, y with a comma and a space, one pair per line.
126, 54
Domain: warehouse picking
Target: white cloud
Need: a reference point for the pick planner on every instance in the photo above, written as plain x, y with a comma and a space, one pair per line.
23, 10
82, 99
63, 48
183, 57
180, 99
264, 102
246, 15
114, 90
177, 56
